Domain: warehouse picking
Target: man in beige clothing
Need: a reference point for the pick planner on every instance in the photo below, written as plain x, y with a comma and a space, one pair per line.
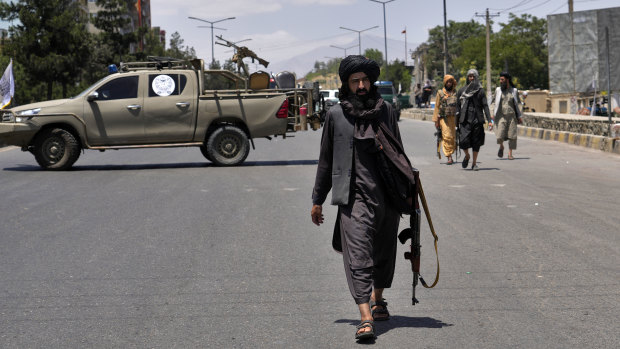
444, 115
506, 114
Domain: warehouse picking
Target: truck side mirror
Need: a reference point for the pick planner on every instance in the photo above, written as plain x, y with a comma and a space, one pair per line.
93, 96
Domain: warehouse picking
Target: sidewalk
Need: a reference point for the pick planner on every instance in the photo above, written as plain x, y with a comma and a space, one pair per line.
607, 144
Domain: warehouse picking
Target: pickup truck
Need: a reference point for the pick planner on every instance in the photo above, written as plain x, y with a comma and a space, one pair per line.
160, 103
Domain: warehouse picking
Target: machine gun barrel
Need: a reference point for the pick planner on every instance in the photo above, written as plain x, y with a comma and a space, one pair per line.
263, 62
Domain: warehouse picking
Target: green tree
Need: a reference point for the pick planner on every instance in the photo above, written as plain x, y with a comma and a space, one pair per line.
399, 75
521, 48
50, 42
152, 44
458, 33
375, 55
113, 21
177, 50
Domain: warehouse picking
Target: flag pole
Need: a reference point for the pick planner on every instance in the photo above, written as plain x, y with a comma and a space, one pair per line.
405, 32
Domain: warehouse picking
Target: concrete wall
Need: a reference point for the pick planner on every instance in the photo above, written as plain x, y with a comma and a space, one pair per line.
586, 131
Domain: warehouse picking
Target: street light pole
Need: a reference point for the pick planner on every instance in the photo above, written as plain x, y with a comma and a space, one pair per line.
212, 23
384, 33
343, 48
359, 35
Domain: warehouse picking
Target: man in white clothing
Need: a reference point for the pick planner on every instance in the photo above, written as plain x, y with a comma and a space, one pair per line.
506, 114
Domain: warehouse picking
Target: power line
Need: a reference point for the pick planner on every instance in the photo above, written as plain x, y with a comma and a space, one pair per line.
524, 2
559, 7
533, 7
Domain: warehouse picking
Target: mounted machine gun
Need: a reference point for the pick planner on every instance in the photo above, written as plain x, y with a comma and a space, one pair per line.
241, 52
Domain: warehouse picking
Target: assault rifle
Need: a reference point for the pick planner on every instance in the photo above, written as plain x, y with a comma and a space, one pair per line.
242, 52
413, 233
439, 138
457, 142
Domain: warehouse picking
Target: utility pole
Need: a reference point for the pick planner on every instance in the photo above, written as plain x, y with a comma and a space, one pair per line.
405, 32
445, 40
359, 36
212, 27
384, 35
572, 43
343, 48
488, 16
608, 79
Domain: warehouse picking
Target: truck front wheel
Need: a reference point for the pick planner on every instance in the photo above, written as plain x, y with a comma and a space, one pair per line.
56, 149
227, 146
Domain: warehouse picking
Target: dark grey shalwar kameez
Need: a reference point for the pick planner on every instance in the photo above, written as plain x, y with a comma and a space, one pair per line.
368, 224
368, 228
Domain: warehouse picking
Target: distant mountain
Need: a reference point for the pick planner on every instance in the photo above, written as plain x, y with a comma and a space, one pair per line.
304, 63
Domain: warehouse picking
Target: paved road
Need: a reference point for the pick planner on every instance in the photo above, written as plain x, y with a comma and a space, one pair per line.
156, 248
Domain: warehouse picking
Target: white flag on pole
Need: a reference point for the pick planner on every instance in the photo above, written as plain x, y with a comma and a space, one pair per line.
7, 86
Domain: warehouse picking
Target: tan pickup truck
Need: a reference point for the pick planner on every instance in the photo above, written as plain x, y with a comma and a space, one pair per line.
160, 104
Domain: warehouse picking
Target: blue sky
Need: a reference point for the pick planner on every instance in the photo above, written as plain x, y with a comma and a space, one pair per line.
281, 29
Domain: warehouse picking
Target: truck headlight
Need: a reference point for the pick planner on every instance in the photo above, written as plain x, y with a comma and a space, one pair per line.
28, 112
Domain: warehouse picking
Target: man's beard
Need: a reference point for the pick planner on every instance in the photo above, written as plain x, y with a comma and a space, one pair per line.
362, 101
449, 88
504, 85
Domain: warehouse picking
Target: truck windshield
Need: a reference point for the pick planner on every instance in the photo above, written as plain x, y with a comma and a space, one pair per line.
385, 90
83, 93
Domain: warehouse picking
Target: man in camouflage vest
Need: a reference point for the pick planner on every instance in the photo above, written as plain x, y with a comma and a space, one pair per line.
444, 115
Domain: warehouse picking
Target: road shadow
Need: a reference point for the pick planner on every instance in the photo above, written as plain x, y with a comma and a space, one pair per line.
281, 163
397, 321
134, 167
516, 158
480, 167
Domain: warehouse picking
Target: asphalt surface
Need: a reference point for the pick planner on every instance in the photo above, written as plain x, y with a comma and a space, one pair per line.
156, 248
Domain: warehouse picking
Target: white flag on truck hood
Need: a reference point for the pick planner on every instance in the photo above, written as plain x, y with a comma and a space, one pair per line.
7, 86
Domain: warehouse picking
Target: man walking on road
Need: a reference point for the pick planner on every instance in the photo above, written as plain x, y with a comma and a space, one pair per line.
444, 115
471, 110
506, 114
366, 222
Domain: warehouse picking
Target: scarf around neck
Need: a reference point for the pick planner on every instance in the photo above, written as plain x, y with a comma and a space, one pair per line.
471, 89
364, 118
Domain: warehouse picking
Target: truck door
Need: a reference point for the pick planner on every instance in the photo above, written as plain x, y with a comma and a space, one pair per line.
170, 107
116, 116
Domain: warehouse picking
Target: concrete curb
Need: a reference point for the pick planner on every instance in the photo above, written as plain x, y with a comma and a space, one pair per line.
606, 144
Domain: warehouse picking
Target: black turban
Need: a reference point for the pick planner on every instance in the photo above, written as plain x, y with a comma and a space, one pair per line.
355, 64
506, 75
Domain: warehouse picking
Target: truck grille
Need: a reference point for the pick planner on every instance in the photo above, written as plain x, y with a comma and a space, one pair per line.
7, 116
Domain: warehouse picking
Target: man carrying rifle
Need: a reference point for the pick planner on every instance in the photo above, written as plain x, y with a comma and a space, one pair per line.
350, 166
444, 116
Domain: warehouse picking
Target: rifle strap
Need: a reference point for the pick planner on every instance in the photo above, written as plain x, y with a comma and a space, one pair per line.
430, 223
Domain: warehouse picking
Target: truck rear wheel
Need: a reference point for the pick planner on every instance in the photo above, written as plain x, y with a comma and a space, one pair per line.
56, 149
227, 146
